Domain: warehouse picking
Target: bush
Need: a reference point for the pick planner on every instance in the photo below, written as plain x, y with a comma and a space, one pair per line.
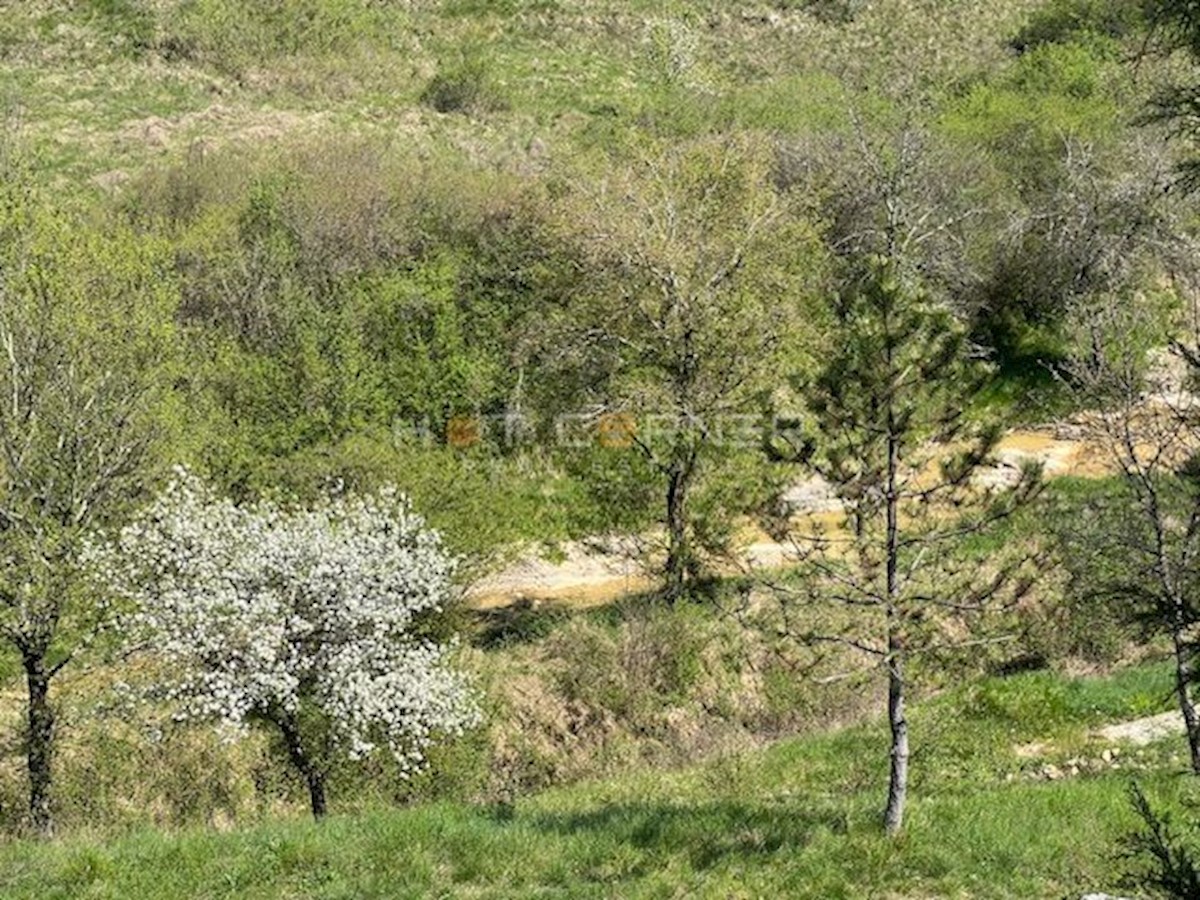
649, 662
1063, 21
1165, 862
466, 87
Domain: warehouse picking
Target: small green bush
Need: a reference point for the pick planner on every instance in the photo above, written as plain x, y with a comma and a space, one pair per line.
464, 88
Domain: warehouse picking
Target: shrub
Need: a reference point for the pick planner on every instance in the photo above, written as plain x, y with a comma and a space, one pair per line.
1062, 21
466, 88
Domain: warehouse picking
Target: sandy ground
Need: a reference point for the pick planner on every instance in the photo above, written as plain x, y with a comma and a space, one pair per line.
1141, 732
586, 576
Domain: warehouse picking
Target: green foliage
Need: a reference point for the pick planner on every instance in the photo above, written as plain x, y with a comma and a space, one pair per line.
652, 662
1166, 863
618, 491
1023, 115
679, 334
907, 356
484, 504
1085, 209
1103, 536
1066, 21
1038, 703
1176, 24
89, 344
341, 321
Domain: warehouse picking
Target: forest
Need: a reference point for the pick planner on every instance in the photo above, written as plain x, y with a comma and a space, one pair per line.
599, 448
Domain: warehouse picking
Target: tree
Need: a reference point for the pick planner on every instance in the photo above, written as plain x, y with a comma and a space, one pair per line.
896, 189
1175, 25
85, 341
1011, 238
1164, 860
697, 268
1139, 545
297, 620
893, 432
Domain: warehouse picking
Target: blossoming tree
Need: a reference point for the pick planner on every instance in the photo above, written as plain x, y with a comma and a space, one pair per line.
298, 620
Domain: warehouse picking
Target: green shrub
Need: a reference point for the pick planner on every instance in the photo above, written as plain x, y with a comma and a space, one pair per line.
637, 669
1062, 21
465, 88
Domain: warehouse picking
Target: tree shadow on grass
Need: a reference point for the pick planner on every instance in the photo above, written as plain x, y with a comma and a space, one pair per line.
706, 833
521, 622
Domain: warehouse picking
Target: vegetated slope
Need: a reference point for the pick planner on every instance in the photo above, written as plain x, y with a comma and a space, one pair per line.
105, 89
105, 86
991, 818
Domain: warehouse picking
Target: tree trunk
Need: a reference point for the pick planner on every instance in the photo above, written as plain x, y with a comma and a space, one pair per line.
1179, 607
40, 746
312, 773
893, 818
316, 792
1183, 680
678, 550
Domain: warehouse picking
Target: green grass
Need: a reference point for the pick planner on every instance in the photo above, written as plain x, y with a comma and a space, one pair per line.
799, 819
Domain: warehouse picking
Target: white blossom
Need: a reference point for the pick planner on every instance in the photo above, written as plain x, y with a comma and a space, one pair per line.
256, 611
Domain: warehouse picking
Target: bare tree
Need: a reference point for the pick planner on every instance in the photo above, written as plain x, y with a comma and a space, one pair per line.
80, 368
1102, 221
1139, 545
896, 191
1010, 245
696, 261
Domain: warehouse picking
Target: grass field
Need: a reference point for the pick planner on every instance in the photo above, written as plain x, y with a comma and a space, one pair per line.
799, 819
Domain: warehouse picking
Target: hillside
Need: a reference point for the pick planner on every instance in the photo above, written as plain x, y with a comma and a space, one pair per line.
106, 87
829, 365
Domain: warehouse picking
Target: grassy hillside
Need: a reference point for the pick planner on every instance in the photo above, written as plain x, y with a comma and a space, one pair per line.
997, 813
106, 86
357, 240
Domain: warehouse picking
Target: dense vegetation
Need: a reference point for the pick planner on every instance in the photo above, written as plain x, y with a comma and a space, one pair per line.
568, 270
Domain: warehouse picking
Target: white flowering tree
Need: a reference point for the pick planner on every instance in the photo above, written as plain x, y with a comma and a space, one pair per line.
297, 620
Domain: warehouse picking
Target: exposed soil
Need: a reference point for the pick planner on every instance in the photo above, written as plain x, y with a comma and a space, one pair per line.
1141, 732
586, 576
